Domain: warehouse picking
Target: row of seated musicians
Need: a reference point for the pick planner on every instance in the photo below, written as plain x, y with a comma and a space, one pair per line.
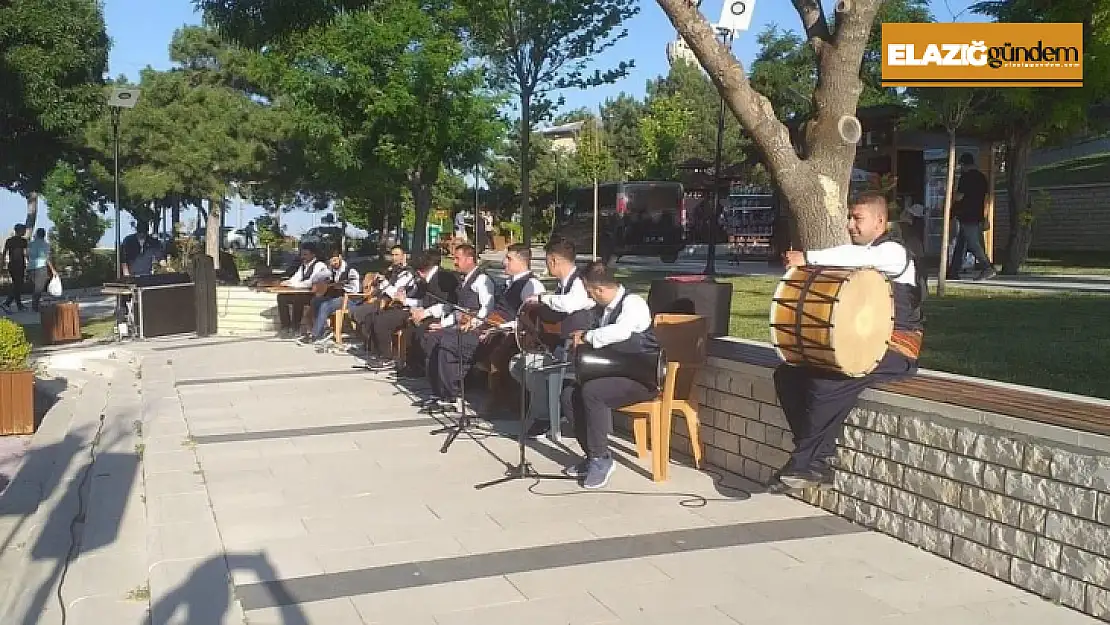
419, 320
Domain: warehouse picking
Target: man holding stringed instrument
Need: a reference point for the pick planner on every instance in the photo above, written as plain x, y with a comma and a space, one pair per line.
817, 395
310, 271
328, 297
384, 297
571, 309
456, 325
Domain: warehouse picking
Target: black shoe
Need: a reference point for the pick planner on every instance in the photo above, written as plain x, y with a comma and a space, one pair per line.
538, 430
825, 473
799, 480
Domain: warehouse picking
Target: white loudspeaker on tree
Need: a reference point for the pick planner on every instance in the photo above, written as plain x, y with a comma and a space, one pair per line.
736, 15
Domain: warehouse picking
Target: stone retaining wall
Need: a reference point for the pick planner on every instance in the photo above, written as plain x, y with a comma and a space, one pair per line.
1024, 502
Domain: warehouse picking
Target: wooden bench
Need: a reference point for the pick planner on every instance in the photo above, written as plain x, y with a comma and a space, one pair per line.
967, 393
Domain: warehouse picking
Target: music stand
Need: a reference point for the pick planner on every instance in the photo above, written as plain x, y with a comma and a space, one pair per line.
462, 424
524, 469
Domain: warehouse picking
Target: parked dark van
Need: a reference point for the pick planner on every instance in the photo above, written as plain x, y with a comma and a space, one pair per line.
637, 218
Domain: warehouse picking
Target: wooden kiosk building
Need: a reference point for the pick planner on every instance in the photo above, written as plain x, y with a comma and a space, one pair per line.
918, 159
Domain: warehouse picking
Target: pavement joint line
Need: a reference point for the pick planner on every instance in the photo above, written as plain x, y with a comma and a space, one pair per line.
313, 373
322, 587
344, 428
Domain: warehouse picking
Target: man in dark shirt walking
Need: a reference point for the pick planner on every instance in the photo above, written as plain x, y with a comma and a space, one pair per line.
15, 251
971, 199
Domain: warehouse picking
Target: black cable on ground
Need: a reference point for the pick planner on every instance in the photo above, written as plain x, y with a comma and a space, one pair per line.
687, 500
79, 518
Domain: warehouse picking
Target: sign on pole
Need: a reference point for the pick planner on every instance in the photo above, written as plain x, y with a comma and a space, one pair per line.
736, 15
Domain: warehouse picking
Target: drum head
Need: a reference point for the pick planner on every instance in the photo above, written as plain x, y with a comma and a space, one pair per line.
862, 322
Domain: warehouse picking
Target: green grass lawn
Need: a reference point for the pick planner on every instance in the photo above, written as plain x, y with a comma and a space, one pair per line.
1068, 263
98, 327
1046, 340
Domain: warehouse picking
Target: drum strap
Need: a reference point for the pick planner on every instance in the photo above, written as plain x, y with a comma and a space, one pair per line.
907, 342
801, 316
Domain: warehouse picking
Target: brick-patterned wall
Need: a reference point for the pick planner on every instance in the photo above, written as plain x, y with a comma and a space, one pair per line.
1076, 220
1024, 509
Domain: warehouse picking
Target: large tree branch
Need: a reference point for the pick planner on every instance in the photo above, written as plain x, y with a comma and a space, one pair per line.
752, 109
838, 78
813, 19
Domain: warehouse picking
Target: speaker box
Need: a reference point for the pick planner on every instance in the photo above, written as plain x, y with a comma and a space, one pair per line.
166, 310
693, 295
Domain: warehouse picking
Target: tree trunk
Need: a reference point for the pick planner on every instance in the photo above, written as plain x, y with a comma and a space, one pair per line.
1019, 147
422, 201
32, 212
817, 187
212, 230
525, 166
948, 189
175, 216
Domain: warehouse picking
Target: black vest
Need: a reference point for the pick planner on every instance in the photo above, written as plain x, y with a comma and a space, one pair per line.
509, 302
639, 342
573, 322
907, 297
304, 272
466, 297
443, 285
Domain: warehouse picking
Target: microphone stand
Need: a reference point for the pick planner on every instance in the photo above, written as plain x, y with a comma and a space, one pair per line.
462, 424
524, 469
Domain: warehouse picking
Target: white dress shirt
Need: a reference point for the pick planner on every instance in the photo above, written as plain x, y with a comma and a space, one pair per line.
534, 287
572, 301
348, 277
399, 284
635, 317
889, 257
307, 275
482, 285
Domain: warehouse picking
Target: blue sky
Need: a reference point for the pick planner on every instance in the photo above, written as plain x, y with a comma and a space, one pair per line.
141, 31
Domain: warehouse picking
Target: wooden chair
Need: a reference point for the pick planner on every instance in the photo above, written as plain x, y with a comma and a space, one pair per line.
685, 339
341, 315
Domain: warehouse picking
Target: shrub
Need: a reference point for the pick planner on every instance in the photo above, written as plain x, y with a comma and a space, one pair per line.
14, 348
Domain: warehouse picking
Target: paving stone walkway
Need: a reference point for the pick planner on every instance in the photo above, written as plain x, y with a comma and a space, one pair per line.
317, 490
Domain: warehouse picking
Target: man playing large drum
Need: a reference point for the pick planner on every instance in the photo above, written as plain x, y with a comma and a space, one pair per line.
816, 400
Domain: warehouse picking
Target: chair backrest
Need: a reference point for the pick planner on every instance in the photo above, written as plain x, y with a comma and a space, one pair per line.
685, 338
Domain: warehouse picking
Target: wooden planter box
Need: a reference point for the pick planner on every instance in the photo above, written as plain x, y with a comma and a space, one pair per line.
17, 402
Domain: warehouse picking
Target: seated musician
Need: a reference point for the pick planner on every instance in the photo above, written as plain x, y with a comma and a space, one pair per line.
326, 303
386, 292
521, 286
434, 286
449, 344
311, 270
815, 402
624, 323
570, 306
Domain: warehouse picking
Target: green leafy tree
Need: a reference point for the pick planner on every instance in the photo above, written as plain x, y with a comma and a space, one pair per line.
53, 55
73, 206
661, 131
414, 110
1025, 117
621, 119
537, 47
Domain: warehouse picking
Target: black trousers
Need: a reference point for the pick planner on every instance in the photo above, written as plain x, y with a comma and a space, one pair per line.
291, 308
19, 278
382, 326
590, 407
817, 402
450, 359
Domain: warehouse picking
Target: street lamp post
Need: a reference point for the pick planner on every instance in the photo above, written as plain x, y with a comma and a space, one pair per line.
119, 99
711, 254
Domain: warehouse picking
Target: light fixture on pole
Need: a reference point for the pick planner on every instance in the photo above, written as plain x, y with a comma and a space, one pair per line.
736, 16
119, 99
